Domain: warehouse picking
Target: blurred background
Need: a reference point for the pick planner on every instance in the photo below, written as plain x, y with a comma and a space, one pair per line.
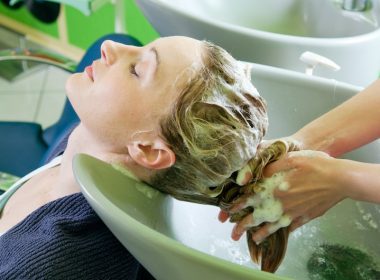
32, 91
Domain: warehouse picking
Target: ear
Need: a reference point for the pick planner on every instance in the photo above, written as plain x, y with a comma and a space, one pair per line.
153, 155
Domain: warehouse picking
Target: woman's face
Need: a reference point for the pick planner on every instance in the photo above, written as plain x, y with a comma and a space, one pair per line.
130, 88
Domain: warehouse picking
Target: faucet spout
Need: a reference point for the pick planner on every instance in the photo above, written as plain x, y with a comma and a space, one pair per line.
356, 5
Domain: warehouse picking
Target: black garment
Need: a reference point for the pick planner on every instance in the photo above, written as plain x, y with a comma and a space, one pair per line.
65, 239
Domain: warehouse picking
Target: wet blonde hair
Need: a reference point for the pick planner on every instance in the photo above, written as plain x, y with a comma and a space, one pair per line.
213, 128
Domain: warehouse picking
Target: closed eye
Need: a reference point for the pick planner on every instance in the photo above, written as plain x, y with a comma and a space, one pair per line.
132, 69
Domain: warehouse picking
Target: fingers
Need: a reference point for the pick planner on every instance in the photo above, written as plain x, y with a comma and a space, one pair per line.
244, 176
270, 228
262, 232
258, 217
239, 229
245, 201
223, 216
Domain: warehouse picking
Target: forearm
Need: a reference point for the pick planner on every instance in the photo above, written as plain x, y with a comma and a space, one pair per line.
350, 125
362, 181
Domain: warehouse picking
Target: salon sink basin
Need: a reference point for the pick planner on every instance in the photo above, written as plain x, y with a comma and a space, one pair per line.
184, 241
276, 32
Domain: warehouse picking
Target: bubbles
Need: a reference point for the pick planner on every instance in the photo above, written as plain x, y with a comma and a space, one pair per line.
313, 230
267, 208
230, 250
367, 217
237, 256
359, 225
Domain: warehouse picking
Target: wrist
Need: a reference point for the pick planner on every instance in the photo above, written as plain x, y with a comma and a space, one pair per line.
309, 141
306, 141
347, 178
363, 181
339, 178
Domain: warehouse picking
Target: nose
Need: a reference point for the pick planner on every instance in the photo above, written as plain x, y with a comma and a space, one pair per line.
111, 51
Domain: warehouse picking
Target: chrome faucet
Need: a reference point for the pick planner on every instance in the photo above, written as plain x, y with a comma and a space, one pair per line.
356, 5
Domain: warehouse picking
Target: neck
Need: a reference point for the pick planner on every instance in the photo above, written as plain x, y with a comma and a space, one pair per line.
82, 141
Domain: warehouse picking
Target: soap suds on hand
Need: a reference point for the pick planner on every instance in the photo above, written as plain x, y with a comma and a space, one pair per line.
266, 207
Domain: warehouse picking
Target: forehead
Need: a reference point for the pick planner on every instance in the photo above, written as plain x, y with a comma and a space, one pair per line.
176, 54
185, 46
179, 59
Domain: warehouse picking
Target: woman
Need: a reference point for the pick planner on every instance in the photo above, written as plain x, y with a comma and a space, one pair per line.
176, 112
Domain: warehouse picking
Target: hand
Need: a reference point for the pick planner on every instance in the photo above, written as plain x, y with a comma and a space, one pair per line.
245, 174
315, 183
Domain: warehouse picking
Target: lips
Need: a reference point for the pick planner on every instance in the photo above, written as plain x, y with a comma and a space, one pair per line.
89, 72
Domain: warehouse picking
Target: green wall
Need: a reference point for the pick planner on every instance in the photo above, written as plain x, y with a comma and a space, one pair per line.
83, 30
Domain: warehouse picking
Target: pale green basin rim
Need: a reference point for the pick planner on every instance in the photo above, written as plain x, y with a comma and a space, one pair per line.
299, 77
273, 36
96, 199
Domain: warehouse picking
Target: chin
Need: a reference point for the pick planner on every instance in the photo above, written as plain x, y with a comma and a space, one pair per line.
70, 84
76, 85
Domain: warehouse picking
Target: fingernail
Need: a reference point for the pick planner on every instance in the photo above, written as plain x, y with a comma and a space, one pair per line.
236, 236
222, 216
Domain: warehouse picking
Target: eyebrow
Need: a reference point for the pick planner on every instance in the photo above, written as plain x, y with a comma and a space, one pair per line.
154, 50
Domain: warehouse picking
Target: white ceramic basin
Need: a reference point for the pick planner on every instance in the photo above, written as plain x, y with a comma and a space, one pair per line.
277, 32
184, 241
